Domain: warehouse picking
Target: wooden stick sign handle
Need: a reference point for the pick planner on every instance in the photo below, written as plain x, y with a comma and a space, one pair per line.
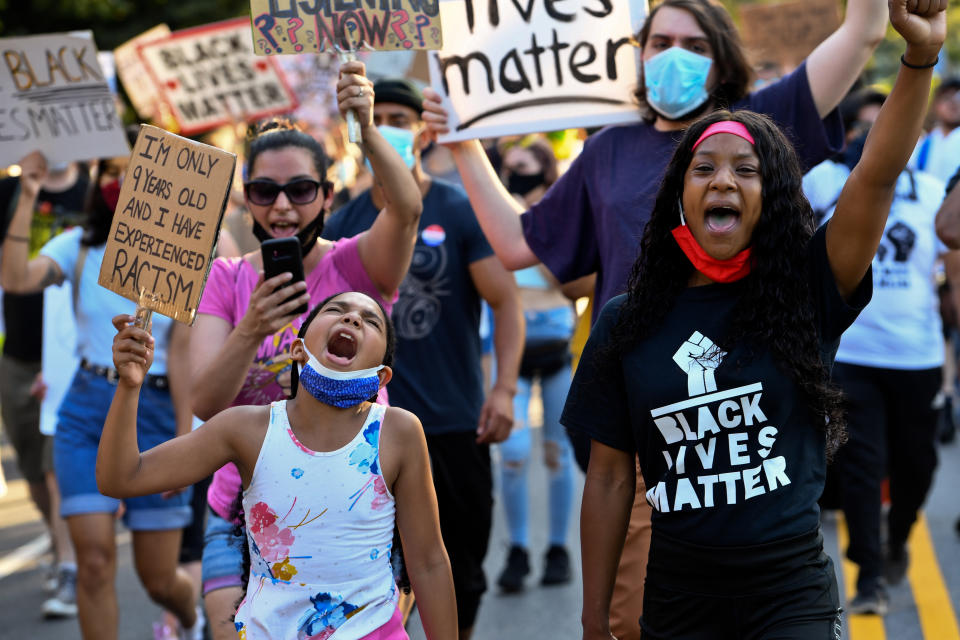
144, 314
353, 127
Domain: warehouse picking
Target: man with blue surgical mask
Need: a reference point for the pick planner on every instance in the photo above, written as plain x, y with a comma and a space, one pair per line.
437, 318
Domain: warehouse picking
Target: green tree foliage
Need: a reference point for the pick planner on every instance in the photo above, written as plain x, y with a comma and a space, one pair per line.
113, 21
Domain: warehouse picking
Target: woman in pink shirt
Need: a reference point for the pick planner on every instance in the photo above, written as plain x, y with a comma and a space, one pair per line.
240, 345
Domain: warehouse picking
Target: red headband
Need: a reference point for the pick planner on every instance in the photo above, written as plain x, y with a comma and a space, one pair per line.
724, 126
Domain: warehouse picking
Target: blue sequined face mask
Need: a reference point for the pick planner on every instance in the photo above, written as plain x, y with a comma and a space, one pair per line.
343, 389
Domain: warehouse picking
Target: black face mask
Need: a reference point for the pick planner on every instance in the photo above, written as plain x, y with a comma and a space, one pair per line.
522, 185
307, 236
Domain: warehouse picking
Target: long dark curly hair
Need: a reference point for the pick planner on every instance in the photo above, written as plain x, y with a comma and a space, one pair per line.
775, 311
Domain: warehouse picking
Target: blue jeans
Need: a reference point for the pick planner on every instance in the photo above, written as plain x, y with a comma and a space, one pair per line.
515, 454
79, 425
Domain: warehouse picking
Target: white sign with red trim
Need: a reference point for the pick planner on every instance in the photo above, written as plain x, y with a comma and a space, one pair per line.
210, 76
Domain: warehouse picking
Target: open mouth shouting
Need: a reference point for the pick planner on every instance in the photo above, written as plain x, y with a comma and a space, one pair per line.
721, 219
342, 347
283, 229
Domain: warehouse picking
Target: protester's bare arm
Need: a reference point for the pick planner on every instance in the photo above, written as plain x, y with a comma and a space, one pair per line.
122, 471
854, 42
579, 288
222, 354
18, 273
608, 494
497, 286
416, 502
854, 231
948, 220
497, 210
387, 247
951, 265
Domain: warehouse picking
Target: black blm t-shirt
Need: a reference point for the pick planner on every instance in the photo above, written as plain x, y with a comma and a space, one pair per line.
730, 455
54, 213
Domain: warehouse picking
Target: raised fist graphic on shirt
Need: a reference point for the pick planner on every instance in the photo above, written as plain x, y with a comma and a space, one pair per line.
903, 239
699, 357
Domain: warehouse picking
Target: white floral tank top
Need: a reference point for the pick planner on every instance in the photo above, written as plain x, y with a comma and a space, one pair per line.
320, 531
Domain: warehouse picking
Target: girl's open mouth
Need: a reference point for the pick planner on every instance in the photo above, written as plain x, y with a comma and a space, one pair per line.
342, 348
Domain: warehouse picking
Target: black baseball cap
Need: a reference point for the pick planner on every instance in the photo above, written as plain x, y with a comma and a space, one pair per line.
398, 91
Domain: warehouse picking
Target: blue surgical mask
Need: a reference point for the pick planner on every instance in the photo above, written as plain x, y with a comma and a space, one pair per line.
343, 389
401, 140
676, 82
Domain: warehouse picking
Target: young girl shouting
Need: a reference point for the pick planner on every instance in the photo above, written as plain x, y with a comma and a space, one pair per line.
326, 474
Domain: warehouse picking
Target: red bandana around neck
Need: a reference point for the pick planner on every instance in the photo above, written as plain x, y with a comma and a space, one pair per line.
724, 271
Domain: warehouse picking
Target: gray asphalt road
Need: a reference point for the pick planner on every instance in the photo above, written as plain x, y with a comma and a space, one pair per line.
918, 611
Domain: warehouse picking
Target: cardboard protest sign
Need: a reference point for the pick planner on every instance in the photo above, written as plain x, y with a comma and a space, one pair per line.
210, 76
520, 67
785, 33
54, 98
167, 221
294, 26
133, 74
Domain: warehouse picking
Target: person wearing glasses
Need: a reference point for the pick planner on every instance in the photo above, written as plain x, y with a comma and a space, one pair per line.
240, 344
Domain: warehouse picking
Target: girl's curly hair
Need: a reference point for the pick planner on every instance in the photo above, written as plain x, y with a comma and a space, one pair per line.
775, 312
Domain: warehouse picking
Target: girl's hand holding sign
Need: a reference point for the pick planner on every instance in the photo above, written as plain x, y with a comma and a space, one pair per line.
132, 351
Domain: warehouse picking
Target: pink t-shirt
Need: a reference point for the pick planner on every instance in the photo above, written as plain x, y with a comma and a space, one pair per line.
227, 296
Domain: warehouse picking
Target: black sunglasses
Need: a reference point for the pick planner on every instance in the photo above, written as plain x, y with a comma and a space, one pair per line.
265, 192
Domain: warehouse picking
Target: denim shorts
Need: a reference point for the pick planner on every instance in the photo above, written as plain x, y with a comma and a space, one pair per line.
222, 554
79, 425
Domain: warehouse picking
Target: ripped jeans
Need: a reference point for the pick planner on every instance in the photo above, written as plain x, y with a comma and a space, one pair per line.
558, 456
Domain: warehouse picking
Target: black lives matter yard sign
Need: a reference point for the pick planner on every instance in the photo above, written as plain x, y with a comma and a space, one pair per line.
210, 76
521, 66
167, 221
54, 99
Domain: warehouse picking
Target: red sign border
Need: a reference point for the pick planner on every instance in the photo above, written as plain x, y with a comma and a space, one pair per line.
215, 26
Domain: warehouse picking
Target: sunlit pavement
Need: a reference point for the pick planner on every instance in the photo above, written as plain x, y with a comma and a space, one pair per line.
922, 608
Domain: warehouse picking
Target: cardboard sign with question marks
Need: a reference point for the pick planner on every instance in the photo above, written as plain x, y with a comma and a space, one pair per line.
292, 26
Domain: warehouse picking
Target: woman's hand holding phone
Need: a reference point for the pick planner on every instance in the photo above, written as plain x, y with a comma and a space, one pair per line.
274, 303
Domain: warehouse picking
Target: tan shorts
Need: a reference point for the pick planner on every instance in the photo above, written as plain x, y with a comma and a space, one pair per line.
21, 418
626, 604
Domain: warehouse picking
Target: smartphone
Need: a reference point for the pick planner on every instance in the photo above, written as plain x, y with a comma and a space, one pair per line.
282, 255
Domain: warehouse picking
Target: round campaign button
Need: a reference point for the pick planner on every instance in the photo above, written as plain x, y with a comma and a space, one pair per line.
433, 235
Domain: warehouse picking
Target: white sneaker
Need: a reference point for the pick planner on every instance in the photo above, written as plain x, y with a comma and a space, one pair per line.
51, 581
196, 631
64, 603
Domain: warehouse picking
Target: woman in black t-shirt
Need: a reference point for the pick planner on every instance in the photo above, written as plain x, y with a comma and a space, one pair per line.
714, 368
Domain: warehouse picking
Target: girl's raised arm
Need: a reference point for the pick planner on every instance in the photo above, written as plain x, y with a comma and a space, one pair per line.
387, 247
854, 231
122, 471
417, 518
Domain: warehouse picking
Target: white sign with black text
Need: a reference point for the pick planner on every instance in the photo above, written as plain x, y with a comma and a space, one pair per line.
522, 66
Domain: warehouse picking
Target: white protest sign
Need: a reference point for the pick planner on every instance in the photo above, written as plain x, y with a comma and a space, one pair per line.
134, 75
54, 98
536, 65
210, 76
167, 222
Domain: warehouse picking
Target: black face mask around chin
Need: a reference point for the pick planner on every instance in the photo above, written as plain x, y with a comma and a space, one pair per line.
307, 236
522, 185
